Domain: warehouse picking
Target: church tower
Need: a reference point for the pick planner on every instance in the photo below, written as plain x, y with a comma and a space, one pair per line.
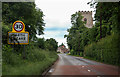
87, 16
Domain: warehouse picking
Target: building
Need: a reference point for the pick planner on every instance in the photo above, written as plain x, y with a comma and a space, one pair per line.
62, 49
87, 16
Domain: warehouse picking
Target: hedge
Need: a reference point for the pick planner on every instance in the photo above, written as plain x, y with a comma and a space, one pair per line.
106, 50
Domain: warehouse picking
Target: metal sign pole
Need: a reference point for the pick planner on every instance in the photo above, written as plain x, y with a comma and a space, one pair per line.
13, 47
24, 52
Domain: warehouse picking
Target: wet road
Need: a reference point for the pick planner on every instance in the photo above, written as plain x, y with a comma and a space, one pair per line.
70, 65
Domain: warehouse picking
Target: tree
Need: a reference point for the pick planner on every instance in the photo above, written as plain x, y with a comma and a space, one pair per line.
109, 14
76, 39
41, 43
51, 44
62, 45
26, 12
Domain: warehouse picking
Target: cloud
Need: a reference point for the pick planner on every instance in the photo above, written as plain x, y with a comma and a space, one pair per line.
56, 23
53, 34
55, 29
58, 16
56, 33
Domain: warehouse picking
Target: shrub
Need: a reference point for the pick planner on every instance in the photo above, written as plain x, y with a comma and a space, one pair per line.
9, 57
106, 50
35, 63
35, 55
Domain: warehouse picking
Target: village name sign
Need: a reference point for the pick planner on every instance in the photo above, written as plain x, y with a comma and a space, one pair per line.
18, 34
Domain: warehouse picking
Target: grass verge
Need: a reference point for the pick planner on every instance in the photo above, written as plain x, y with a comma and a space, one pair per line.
36, 62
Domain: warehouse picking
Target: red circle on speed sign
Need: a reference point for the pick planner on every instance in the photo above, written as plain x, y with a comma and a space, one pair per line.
18, 26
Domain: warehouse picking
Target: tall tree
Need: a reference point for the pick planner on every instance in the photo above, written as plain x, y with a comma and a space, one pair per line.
51, 44
109, 13
75, 38
62, 45
41, 43
26, 12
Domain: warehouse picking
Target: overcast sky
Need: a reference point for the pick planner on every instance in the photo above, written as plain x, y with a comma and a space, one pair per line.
57, 16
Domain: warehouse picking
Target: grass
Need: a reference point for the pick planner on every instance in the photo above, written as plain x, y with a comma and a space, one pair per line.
32, 68
36, 63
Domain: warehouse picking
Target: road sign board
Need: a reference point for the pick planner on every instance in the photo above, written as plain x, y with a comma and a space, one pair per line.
18, 38
18, 26
18, 34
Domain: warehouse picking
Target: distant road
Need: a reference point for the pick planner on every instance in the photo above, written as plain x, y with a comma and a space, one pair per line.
70, 65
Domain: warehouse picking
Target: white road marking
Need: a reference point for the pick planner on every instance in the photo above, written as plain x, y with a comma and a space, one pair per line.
89, 70
51, 70
83, 66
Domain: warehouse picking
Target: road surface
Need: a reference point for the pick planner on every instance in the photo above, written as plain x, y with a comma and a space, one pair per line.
70, 65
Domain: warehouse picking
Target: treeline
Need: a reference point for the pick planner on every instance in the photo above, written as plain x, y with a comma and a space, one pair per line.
39, 54
82, 39
48, 44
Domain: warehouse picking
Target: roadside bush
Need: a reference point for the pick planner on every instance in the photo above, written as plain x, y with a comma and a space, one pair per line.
35, 55
9, 57
35, 63
106, 50
72, 52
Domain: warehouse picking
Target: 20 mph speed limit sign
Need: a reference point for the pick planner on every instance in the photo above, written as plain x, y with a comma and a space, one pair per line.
18, 34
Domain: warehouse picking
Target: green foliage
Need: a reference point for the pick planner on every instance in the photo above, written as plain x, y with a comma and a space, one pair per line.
110, 16
79, 36
51, 44
9, 57
77, 33
16, 59
37, 59
62, 45
35, 55
5, 30
26, 12
92, 34
106, 50
41, 43
72, 52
